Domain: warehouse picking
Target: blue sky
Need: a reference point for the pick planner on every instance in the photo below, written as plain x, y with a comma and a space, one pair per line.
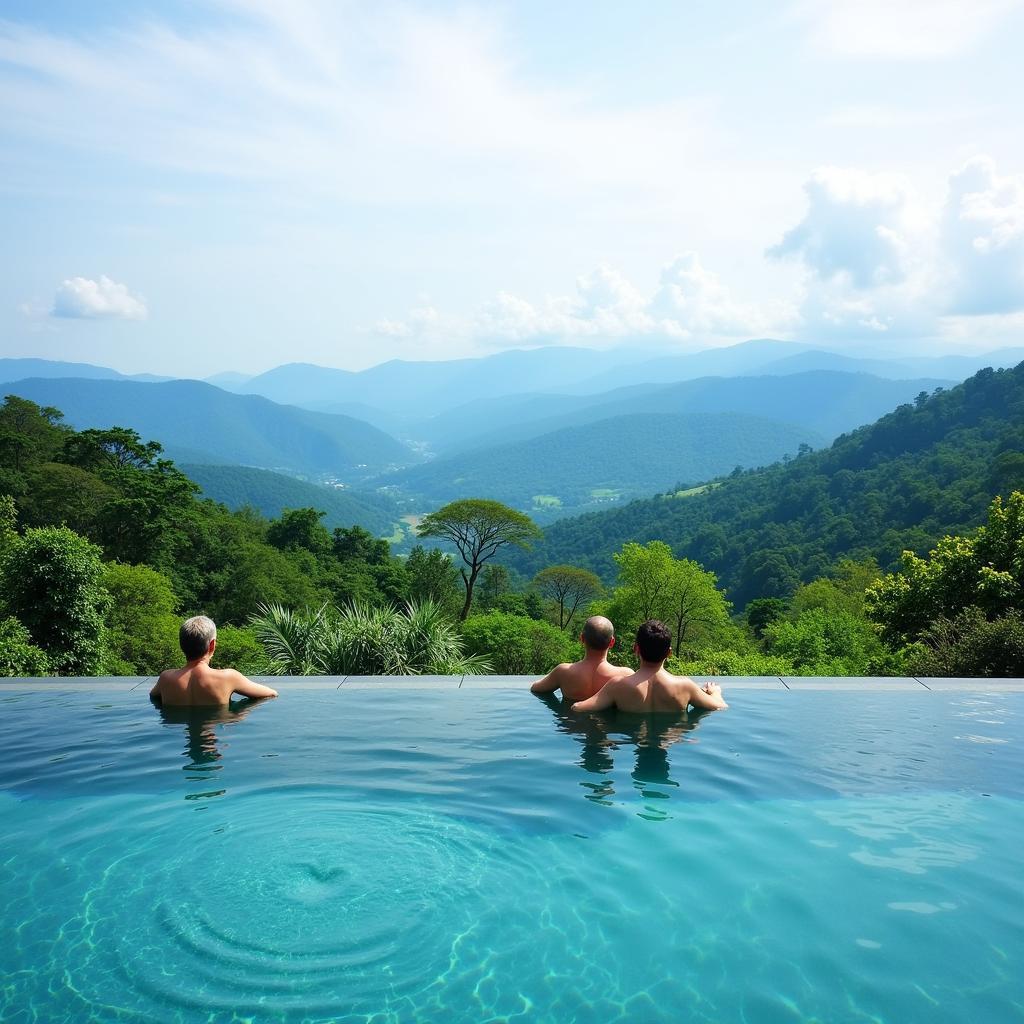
200, 186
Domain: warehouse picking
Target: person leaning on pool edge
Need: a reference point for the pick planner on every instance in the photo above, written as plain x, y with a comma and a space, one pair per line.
583, 678
197, 684
651, 688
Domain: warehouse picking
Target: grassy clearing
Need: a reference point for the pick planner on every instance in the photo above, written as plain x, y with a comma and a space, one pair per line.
547, 501
691, 491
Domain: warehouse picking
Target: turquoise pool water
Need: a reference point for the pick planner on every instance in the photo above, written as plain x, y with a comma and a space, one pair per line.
471, 856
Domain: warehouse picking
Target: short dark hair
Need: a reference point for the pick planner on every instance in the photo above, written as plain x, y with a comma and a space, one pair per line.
654, 639
195, 636
598, 633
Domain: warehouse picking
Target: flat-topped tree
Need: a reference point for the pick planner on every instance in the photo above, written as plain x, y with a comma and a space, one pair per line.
569, 588
479, 529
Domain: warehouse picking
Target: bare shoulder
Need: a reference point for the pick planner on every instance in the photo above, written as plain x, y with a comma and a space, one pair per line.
683, 681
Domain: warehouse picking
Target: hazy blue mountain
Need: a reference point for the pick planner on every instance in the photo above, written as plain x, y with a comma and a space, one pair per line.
827, 403
962, 367
603, 462
743, 359
19, 369
395, 423
954, 368
205, 424
398, 387
271, 493
229, 380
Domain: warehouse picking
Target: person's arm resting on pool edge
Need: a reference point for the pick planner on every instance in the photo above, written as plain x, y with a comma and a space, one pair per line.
602, 700
246, 687
708, 697
551, 682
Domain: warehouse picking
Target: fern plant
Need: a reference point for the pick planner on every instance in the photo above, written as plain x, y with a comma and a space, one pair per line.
362, 639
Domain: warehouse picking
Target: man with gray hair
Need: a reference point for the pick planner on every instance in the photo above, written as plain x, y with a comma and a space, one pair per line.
197, 683
581, 679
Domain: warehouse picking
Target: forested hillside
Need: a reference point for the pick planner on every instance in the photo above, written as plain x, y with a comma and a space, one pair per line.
921, 471
604, 461
199, 423
271, 493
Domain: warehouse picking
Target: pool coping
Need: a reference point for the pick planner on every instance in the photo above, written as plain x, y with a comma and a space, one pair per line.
875, 684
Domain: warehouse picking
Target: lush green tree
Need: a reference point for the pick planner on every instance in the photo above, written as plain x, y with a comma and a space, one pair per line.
479, 529
359, 545
526, 603
18, 655
432, 577
51, 582
763, 611
495, 583
363, 640
830, 644
29, 434
141, 627
568, 588
252, 573
971, 646
842, 591
733, 663
984, 569
300, 528
111, 450
63, 494
8, 522
515, 645
655, 585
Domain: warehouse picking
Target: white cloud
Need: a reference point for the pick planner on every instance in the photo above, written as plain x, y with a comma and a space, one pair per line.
689, 303
856, 226
983, 239
80, 298
880, 262
900, 29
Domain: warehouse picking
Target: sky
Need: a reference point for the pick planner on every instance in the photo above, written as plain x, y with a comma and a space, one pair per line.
188, 188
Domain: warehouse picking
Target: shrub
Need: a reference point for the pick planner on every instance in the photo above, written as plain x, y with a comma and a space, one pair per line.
18, 655
971, 645
516, 645
51, 582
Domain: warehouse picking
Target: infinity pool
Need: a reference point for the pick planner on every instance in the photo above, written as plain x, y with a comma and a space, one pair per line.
473, 855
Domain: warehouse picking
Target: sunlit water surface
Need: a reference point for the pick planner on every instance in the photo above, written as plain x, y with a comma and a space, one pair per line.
470, 856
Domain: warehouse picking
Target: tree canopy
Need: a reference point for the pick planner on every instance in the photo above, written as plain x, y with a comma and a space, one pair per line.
479, 529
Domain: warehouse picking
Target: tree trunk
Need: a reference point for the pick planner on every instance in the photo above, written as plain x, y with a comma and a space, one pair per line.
469, 581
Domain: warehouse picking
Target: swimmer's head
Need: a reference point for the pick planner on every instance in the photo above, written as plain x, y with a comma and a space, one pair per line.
653, 641
196, 635
598, 633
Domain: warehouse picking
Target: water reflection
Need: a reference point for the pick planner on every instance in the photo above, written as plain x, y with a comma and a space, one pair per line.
203, 750
649, 735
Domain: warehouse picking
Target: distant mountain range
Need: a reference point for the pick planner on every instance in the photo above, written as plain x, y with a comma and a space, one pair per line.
200, 423
271, 493
825, 403
20, 369
521, 426
604, 462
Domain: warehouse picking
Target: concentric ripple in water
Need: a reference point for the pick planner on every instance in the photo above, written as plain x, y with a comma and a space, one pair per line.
297, 900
